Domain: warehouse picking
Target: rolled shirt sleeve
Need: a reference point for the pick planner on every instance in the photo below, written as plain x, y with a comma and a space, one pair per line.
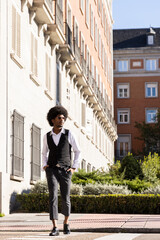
44, 152
76, 149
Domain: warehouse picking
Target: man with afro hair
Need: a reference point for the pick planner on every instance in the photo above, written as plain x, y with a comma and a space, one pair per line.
56, 161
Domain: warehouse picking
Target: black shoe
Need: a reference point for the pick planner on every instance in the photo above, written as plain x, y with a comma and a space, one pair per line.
54, 232
66, 229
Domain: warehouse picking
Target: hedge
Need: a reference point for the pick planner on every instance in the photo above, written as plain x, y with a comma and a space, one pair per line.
111, 203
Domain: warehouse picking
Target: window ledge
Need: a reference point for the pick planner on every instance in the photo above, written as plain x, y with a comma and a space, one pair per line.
16, 178
34, 79
48, 94
88, 137
33, 182
82, 130
76, 124
17, 60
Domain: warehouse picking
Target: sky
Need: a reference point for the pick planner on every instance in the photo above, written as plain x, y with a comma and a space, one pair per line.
136, 14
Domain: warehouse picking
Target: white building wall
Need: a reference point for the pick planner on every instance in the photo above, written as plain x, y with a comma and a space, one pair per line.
28, 97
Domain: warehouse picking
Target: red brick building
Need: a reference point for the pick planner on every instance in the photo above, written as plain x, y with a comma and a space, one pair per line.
136, 84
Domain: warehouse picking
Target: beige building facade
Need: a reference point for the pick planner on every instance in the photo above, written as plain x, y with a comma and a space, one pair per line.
53, 52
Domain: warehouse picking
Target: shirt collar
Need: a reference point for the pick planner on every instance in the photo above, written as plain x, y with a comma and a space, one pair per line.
62, 131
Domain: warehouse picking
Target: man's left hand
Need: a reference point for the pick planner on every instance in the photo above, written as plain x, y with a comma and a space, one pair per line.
71, 169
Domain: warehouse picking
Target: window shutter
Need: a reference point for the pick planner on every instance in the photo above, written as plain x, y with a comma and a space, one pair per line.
18, 145
83, 115
36, 153
18, 35
13, 28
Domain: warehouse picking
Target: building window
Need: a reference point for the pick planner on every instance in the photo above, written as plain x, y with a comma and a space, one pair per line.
35, 153
83, 164
123, 65
92, 23
123, 90
18, 145
89, 167
87, 12
48, 73
83, 115
95, 35
123, 145
16, 32
82, 45
150, 39
99, 7
60, 3
151, 64
34, 55
151, 89
58, 84
123, 116
99, 46
151, 115
82, 5
76, 33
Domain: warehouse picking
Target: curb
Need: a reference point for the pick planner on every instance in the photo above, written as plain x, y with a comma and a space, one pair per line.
97, 230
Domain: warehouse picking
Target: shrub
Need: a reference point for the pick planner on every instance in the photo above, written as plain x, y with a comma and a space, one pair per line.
2, 214
40, 187
111, 203
151, 167
76, 189
131, 167
97, 189
151, 190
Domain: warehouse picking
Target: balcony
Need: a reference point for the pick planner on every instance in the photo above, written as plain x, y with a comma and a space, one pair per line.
68, 35
66, 49
77, 52
43, 11
56, 30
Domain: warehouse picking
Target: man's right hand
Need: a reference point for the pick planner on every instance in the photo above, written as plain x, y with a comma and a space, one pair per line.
45, 167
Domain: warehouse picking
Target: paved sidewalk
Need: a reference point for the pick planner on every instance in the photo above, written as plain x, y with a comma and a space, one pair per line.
83, 223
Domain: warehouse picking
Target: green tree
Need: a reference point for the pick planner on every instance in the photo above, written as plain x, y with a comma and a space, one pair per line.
131, 167
150, 135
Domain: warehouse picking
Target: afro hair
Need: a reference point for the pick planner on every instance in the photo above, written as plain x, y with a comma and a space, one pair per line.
54, 112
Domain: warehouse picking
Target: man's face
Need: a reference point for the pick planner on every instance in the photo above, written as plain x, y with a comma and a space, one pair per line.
58, 121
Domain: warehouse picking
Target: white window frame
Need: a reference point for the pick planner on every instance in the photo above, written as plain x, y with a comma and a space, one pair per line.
91, 22
82, 5
150, 39
152, 115
151, 86
123, 139
82, 45
99, 45
16, 31
87, 13
123, 65
123, 112
151, 64
48, 73
95, 35
69, 15
123, 86
76, 31
34, 55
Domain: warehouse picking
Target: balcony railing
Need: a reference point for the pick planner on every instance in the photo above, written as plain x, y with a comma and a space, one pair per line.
50, 4
77, 52
84, 66
68, 36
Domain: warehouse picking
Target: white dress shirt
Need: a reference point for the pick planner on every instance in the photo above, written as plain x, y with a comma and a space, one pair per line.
56, 137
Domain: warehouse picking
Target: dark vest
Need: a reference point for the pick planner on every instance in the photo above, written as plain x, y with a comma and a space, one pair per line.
60, 154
